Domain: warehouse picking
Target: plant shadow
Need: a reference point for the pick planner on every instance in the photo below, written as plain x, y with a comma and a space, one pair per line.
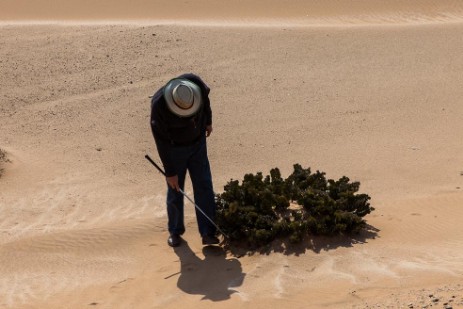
213, 277
310, 242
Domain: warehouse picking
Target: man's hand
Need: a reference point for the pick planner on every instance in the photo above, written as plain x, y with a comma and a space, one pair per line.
208, 130
172, 181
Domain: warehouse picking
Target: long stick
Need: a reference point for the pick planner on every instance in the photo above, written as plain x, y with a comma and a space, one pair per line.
185, 195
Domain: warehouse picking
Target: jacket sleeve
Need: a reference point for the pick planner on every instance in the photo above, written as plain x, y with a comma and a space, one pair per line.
207, 109
160, 134
207, 103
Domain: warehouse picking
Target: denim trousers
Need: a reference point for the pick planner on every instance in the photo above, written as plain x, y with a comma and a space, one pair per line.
193, 159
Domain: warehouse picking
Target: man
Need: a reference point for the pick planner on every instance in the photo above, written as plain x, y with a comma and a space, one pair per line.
181, 119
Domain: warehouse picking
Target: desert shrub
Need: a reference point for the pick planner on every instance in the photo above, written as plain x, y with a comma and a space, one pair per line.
260, 209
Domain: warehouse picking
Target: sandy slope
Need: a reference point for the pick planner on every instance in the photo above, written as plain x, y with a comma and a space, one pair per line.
237, 11
82, 214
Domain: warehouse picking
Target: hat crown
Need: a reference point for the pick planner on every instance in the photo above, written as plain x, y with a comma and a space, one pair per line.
183, 96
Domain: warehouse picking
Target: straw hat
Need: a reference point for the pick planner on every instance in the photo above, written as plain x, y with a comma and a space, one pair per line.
183, 97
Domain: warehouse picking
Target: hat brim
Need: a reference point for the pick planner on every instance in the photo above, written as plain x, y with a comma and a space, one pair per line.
174, 108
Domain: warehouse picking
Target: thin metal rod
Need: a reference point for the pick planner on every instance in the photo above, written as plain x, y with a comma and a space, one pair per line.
154, 163
197, 207
185, 195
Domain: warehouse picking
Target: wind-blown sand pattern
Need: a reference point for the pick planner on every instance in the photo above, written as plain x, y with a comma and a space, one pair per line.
362, 89
300, 12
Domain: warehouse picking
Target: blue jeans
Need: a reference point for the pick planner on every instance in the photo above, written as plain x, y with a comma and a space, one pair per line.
194, 159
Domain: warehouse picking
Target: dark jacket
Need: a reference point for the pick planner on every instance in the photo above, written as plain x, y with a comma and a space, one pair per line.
170, 130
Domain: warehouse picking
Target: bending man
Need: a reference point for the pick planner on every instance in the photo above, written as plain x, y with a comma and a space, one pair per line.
181, 119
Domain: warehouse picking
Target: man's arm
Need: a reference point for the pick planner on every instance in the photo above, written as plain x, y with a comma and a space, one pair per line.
205, 90
161, 134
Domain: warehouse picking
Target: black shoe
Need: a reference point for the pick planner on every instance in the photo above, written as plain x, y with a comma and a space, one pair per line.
210, 240
174, 240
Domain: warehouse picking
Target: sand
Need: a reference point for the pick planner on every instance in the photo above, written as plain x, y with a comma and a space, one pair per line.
366, 90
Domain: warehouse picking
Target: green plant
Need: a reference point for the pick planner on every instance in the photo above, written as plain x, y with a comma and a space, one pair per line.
261, 209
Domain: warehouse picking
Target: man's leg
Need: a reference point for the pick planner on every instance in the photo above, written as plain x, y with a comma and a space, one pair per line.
175, 201
201, 178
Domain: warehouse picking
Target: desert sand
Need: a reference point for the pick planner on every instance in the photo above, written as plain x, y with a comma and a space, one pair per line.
361, 89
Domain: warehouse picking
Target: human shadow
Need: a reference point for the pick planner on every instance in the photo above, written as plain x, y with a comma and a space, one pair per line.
213, 277
310, 242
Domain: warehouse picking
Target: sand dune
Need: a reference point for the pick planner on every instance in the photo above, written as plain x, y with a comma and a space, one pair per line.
301, 12
83, 220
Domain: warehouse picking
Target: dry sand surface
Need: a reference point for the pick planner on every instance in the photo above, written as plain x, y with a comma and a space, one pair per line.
237, 11
374, 94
